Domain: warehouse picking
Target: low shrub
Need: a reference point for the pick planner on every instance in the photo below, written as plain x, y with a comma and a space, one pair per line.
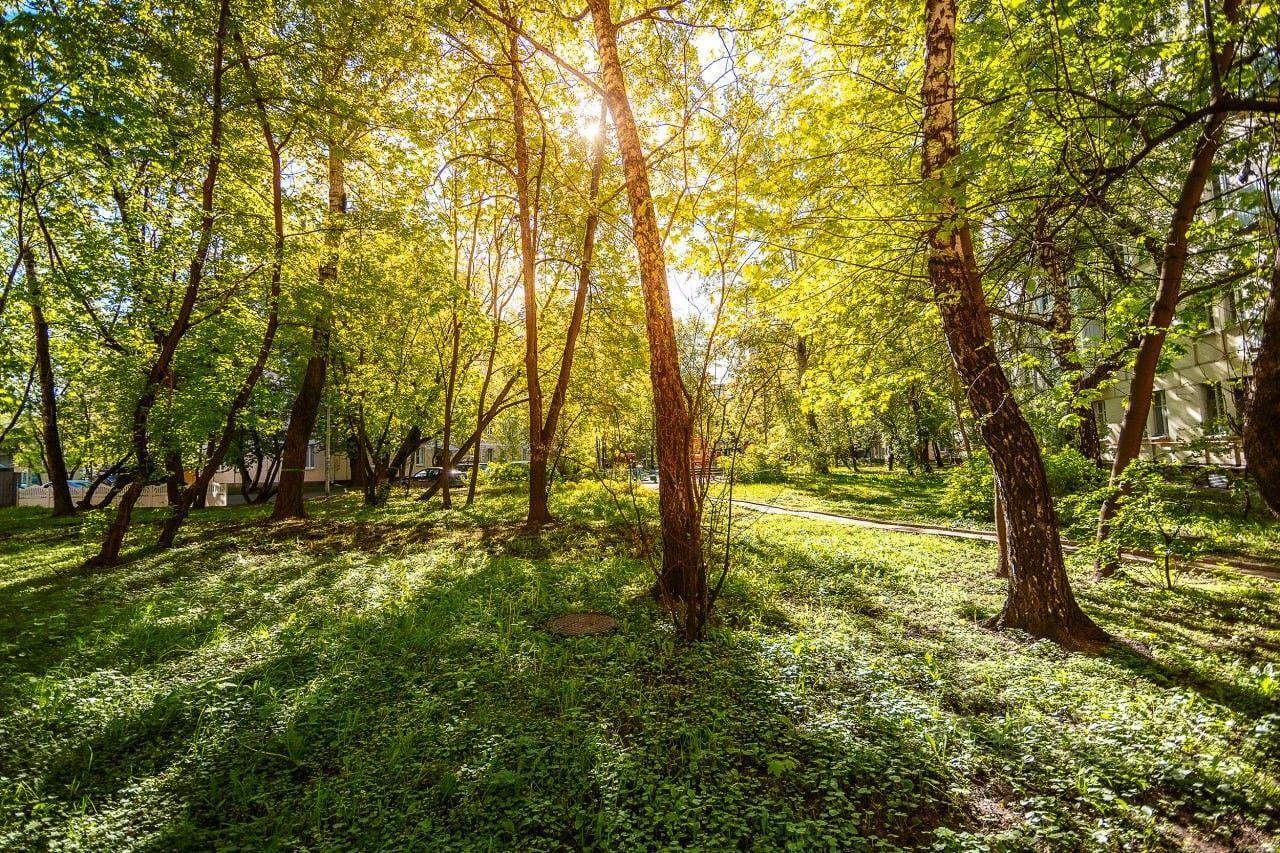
970, 489
1071, 472
758, 464
499, 473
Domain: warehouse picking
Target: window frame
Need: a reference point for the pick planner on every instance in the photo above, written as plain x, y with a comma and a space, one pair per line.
1159, 414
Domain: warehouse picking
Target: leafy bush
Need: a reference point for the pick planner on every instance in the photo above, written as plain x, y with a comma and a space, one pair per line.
500, 473
758, 464
1070, 472
1153, 517
969, 490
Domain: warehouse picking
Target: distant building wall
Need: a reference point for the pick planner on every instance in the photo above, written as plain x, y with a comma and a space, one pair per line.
1194, 405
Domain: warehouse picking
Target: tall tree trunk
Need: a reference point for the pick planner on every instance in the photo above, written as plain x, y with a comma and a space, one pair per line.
194, 493
495, 313
54, 458
1040, 600
539, 512
821, 462
1262, 416
175, 483
560, 393
1168, 292
1062, 341
455, 328
683, 574
306, 405
1002, 538
109, 553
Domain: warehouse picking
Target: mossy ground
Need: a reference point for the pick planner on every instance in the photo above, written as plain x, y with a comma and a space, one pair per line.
381, 679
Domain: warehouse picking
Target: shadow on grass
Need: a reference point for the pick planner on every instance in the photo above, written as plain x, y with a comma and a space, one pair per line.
385, 681
444, 716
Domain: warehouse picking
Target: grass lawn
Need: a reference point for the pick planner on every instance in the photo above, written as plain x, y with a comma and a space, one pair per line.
382, 680
873, 492
1212, 515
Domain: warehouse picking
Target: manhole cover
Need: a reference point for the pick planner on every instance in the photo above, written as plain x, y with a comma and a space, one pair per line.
582, 624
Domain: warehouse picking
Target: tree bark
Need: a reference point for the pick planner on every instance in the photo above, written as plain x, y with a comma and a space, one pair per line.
194, 493
54, 457
539, 512
1040, 600
1062, 341
1262, 415
175, 483
1002, 538
1168, 292
109, 553
306, 405
683, 575
455, 328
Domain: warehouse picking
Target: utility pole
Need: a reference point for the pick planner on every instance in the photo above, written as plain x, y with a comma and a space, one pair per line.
328, 449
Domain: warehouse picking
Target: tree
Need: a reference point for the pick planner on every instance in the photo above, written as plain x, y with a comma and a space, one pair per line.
1261, 423
1040, 599
109, 553
683, 576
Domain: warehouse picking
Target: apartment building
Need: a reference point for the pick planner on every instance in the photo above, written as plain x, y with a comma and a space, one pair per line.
1195, 409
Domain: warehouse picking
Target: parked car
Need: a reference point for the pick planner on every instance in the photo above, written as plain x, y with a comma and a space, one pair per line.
71, 484
427, 475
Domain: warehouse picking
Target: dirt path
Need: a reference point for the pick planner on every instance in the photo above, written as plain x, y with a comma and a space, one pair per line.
1248, 567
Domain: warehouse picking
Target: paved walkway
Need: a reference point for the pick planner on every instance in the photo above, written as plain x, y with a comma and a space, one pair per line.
1248, 567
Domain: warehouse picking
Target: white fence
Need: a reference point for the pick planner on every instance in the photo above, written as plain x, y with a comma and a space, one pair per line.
151, 496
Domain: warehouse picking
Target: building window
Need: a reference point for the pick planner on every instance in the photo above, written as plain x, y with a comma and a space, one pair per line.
1214, 407
1230, 313
311, 457
1159, 415
1100, 415
420, 457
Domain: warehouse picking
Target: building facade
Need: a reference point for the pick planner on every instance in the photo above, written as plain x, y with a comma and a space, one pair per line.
1196, 404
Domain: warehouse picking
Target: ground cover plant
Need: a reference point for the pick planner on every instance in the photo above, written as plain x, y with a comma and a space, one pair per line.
381, 678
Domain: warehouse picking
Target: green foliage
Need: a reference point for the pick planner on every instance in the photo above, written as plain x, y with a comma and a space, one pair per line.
506, 473
970, 490
1069, 472
761, 463
1152, 516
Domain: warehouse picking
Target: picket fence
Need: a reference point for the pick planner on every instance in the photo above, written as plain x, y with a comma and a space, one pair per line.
152, 496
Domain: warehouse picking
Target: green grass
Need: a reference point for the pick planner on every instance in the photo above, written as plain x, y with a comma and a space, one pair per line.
873, 493
1213, 516
381, 680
